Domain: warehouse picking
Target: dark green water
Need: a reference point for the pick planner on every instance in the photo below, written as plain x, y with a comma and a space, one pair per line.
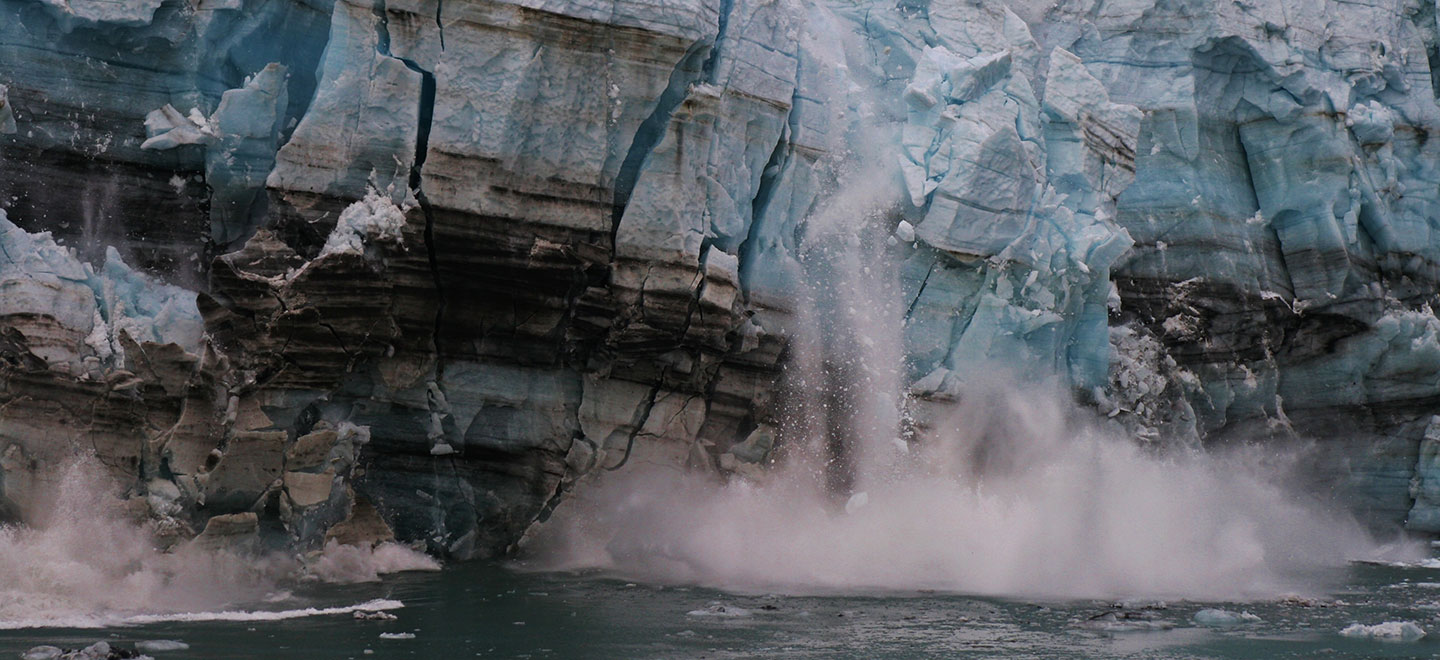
486, 611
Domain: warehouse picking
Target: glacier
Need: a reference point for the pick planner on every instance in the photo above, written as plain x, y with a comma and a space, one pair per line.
413, 269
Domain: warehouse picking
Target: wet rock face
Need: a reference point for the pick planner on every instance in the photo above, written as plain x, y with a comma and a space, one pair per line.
413, 268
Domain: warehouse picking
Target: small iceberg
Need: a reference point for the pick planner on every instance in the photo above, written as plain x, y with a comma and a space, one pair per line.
1390, 631
720, 610
1219, 618
161, 645
399, 635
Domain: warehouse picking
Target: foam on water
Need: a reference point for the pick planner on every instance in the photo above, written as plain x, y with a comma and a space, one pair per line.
346, 564
110, 620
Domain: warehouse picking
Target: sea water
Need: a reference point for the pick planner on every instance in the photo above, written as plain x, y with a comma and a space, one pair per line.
506, 611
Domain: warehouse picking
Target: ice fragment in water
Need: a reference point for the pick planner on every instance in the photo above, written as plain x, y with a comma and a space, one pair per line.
1389, 631
1217, 617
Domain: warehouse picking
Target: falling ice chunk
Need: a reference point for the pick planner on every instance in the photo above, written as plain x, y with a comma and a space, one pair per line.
905, 231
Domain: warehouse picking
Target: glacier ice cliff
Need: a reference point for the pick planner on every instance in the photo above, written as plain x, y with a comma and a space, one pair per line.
413, 268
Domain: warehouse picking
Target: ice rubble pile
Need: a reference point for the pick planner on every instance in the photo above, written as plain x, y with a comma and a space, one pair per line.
582, 228
78, 311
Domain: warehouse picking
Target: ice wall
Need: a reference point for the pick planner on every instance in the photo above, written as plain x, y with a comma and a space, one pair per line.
487, 247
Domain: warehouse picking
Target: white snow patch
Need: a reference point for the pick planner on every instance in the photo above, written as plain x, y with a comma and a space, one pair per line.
43, 653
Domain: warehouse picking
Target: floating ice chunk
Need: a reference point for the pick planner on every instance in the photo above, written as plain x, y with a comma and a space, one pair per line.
720, 610
43, 653
1390, 631
96, 651
375, 616
1127, 621
400, 635
161, 645
1217, 617
374, 219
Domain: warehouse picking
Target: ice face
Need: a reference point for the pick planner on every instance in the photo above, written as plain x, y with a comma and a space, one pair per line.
424, 208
